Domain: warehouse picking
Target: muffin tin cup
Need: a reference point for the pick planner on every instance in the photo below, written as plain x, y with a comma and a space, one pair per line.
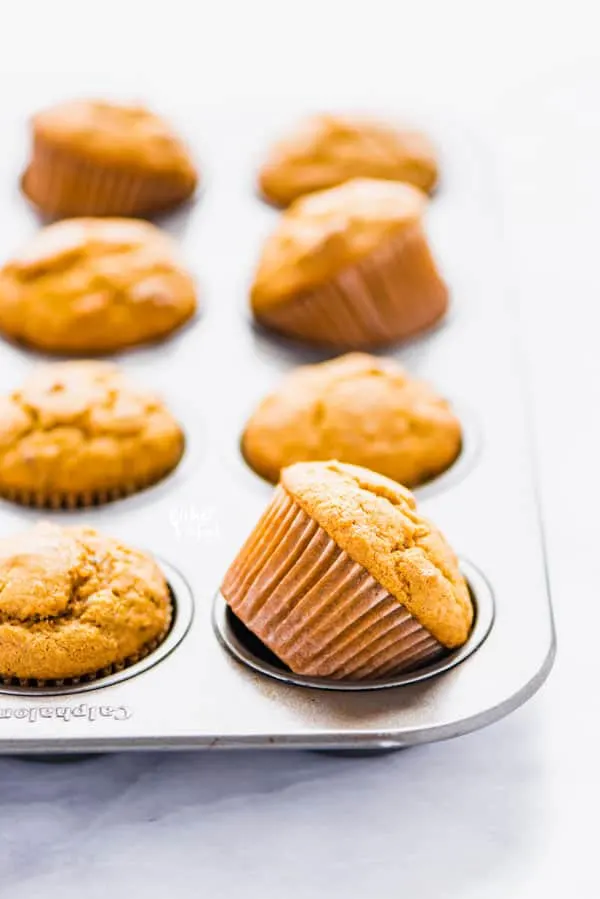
319, 611
470, 449
180, 617
245, 647
379, 299
62, 185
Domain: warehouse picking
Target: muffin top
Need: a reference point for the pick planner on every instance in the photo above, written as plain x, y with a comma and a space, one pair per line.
376, 522
359, 409
326, 150
83, 427
90, 285
322, 233
73, 602
114, 134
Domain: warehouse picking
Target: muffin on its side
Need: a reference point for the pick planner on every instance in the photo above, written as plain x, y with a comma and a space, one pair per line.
326, 150
343, 578
82, 433
91, 157
89, 286
350, 267
75, 603
358, 409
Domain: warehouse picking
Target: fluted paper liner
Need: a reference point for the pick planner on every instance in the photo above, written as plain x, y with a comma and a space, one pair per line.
392, 294
63, 185
82, 499
320, 612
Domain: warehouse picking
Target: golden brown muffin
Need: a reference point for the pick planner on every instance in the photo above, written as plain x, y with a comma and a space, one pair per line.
357, 409
327, 150
89, 286
74, 602
82, 433
95, 158
343, 578
350, 267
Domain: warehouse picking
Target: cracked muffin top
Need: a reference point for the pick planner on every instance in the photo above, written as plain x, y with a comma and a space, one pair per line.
375, 520
114, 134
358, 409
81, 429
74, 602
322, 233
327, 150
95, 286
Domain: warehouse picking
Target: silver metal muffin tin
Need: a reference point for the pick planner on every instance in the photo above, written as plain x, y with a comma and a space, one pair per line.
194, 691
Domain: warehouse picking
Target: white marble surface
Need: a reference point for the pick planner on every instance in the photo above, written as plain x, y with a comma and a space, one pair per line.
506, 812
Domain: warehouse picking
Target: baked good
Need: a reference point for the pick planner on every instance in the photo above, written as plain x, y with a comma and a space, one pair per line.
75, 603
342, 577
326, 150
350, 267
91, 157
88, 286
359, 409
82, 433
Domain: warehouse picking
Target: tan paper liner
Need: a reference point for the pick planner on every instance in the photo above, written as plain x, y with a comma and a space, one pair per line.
95, 675
83, 499
320, 612
392, 294
63, 186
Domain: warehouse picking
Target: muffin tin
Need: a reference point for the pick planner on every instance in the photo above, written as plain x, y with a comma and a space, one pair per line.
209, 685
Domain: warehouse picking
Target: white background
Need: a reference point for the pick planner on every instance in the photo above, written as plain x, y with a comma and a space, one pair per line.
507, 812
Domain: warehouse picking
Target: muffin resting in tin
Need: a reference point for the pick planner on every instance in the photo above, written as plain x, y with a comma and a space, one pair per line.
81, 433
326, 150
350, 267
89, 286
91, 157
342, 577
359, 409
74, 602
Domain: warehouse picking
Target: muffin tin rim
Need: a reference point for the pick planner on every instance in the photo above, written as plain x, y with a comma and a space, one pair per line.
485, 610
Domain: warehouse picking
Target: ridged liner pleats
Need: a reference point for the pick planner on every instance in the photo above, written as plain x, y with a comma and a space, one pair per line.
393, 293
64, 186
320, 612
42, 499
